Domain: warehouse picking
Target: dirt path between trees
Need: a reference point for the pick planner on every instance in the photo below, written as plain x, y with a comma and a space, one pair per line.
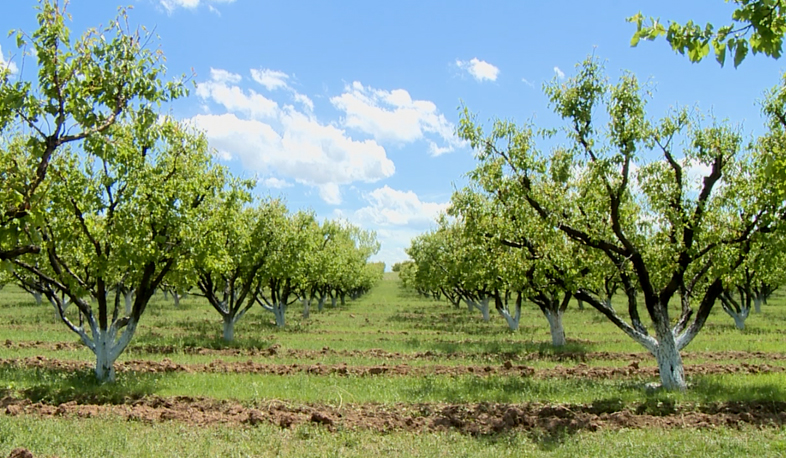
276, 351
474, 419
507, 368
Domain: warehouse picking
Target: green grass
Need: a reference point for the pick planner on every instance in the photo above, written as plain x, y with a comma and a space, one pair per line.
393, 321
66, 437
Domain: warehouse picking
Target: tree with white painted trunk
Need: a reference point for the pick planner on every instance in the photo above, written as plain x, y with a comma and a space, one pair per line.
285, 268
626, 192
239, 242
125, 210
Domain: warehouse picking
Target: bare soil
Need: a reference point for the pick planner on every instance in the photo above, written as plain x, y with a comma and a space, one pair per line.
474, 419
507, 368
275, 351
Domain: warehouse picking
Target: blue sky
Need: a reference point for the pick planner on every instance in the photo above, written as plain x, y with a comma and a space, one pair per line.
349, 107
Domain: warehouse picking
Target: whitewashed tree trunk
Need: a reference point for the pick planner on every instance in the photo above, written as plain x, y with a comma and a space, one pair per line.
38, 298
483, 306
129, 298
279, 311
757, 304
556, 328
306, 301
670, 367
321, 303
229, 328
581, 304
107, 348
176, 296
739, 318
333, 300
513, 321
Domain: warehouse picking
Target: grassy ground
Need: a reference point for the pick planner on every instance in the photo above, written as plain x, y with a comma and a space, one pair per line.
388, 326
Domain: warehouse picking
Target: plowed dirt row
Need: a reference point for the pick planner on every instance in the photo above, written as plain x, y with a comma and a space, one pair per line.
277, 351
475, 419
507, 368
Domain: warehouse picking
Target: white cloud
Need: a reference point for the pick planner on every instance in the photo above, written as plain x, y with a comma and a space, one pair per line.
172, 5
395, 116
305, 101
527, 82
5, 64
223, 76
397, 217
391, 207
222, 89
560, 74
276, 183
479, 69
271, 79
270, 138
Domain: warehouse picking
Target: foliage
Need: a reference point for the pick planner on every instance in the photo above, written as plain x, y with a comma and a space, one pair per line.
756, 25
83, 87
624, 193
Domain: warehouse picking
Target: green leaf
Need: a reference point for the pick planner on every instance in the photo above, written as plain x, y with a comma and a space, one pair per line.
740, 52
635, 40
720, 53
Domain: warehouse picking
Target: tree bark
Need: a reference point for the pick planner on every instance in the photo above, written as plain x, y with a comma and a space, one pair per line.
229, 329
306, 307
555, 327
670, 367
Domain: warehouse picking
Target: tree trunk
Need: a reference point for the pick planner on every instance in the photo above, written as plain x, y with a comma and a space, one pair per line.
757, 304
483, 306
672, 375
306, 307
279, 311
105, 368
321, 303
333, 299
107, 348
129, 298
513, 321
176, 296
738, 317
581, 304
555, 326
343, 299
229, 329
38, 298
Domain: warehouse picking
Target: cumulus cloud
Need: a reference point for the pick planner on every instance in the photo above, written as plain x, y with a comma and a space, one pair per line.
560, 74
395, 116
269, 138
397, 217
275, 183
479, 69
271, 79
222, 89
5, 64
391, 207
171, 5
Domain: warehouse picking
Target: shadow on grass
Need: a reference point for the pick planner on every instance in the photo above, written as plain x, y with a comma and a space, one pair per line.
503, 351
711, 389
55, 387
192, 343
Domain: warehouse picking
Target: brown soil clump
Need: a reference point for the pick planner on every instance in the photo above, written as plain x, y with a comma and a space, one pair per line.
507, 368
275, 351
473, 419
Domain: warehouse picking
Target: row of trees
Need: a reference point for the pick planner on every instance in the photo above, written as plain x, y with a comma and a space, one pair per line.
613, 203
103, 197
